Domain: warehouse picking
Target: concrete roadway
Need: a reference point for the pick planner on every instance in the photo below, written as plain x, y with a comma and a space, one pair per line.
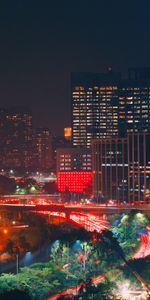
68, 208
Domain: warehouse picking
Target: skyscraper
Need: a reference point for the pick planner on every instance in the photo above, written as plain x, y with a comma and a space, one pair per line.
110, 169
43, 148
134, 102
94, 106
138, 166
121, 168
16, 138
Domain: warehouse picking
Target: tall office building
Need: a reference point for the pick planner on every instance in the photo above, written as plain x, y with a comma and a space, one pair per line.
16, 138
134, 102
94, 106
138, 166
107, 110
43, 148
121, 168
110, 169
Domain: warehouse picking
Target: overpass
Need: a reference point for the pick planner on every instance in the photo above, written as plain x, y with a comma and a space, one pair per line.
78, 208
51, 197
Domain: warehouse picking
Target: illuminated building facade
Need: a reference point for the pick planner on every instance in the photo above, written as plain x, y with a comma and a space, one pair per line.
73, 160
16, 138
110, 169
138, 166
94, 106
121, 168
58, 142
74, 170
43, 144
68, 133
75, 182
134, 102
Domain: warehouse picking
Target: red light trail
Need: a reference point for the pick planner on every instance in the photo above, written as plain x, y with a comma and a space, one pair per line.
144, 249
90, 222
74, 291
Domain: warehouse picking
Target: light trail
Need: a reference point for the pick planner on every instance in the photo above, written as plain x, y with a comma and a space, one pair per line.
144, 249
75, 290
90, 222
52, 213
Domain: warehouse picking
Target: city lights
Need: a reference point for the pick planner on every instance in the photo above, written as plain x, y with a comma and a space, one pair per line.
75, 150
75, 181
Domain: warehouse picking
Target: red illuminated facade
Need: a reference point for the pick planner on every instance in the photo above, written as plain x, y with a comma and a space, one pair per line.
75, 182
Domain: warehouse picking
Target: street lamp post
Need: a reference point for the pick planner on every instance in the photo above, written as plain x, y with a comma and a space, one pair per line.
17, 259
17, 262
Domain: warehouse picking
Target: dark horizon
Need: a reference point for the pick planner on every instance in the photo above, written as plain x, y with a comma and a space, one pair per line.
42, 43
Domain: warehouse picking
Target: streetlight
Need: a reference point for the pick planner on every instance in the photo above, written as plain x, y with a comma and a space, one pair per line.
17, 263
17, 260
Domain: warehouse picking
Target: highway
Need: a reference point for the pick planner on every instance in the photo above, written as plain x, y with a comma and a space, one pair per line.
91, 217
90, 222
68, 208
144, 249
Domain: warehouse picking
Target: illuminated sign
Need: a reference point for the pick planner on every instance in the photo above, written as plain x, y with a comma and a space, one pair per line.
75, 182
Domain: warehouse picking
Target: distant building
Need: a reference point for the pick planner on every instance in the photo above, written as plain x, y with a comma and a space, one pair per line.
16, 150
43, 148
58, 142
74, 170
68, 133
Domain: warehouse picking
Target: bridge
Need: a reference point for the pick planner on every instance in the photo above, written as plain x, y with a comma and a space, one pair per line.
49, 197
48, 202
96, 209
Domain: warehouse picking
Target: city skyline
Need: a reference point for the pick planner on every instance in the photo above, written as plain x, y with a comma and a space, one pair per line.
42, 44
74, 150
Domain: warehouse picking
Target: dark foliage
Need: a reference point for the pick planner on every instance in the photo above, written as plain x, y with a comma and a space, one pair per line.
15, 295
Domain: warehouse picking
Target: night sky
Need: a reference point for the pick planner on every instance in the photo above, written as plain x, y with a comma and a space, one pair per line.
41, 42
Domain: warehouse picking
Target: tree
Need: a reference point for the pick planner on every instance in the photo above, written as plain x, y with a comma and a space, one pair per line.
50, 187
24, 243
104, 291
9, 247
7, 185
142, 266
15, 294
27, 186
38, 281
108, 235
127, 230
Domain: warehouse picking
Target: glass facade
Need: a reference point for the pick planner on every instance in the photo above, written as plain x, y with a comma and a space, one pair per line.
121, 168
110, 169
134, 108
138, 166
94, 107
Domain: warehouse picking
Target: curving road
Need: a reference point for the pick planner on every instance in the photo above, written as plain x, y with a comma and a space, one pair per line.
74, 291
144, 249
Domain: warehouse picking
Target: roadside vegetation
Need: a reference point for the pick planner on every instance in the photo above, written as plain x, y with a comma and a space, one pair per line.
77, 257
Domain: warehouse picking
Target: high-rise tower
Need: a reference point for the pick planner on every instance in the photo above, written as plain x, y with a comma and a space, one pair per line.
94, 106
16, 137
